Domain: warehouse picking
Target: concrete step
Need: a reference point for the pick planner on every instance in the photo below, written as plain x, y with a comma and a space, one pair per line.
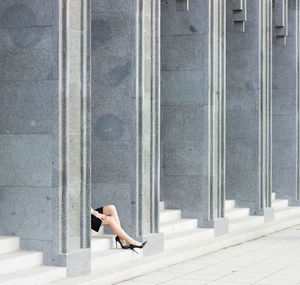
113, 257
147, 264
273, 195
177, 226
236, 213
9, 243
279, 204
286, 212
38, 275
161, 205
229, 204
245, 222
187, 237
102, 242
169, 215
19, 260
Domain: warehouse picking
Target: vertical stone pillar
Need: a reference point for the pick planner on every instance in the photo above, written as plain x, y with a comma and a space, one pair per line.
73, 199
286, 101
44, 137
249, 135
193, 110
126, 114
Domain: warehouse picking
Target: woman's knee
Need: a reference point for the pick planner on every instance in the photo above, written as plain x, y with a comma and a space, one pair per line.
112, 208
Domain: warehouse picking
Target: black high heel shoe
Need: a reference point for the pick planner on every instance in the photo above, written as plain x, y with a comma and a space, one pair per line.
117, 239
132, 246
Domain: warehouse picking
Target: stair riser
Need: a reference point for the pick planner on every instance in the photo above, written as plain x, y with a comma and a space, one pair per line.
179, 228
124, 256
41, 279
280, 205
229, 204
193, 238
21, 262
237, 214
9, 245
102, 244
287, 213
161, 205
169, 216
245, 225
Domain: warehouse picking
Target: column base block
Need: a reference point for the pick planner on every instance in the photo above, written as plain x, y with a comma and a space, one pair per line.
77, 262
220, 225
155, 243
268, 213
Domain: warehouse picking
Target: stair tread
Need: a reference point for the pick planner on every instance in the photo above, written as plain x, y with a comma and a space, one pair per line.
170, 210
158, 258
237, 209
8, 238
109, 252
32, 271
17, 253
279, 201
287, 208
177, 221
241, 219
189, 232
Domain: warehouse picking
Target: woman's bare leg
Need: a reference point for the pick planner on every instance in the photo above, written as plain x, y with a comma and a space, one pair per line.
116, 228
110, 210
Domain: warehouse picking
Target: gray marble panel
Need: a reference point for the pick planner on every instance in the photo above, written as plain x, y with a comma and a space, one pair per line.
118, 194
284, 179
284, 153
284, 128
114, 78
184, 158
25, 13
27, 212
113, 161
113, 6
26, 160
26, 61
242, 124
112, 35
284, 77
242, 99
27, 107
183, 88
112, 118
184, 52
184, 124
241, 155
194, 21
186, 192
283, 101
242, 185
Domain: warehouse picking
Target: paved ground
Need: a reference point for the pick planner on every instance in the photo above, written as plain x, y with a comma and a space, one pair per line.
271, 260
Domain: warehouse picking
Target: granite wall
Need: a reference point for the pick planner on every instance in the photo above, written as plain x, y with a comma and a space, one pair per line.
192, 91
285, 107
43, 170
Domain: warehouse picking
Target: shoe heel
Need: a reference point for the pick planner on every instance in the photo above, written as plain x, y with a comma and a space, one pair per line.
134, 250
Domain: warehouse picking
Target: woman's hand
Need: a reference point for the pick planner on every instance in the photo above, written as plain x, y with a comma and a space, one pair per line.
102, 217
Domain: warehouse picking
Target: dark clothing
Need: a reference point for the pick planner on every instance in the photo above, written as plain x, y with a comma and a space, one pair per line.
96, 222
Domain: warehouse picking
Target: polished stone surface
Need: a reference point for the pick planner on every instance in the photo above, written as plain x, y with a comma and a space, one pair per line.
271, 260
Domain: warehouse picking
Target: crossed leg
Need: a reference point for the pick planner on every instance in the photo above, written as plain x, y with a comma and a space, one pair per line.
115, 225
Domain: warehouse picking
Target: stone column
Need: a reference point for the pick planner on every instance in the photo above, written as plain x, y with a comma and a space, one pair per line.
126, 114
193, 110
286, 27
44, 137
249, 136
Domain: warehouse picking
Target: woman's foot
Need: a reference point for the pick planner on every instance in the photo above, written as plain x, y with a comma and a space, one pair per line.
123, 241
